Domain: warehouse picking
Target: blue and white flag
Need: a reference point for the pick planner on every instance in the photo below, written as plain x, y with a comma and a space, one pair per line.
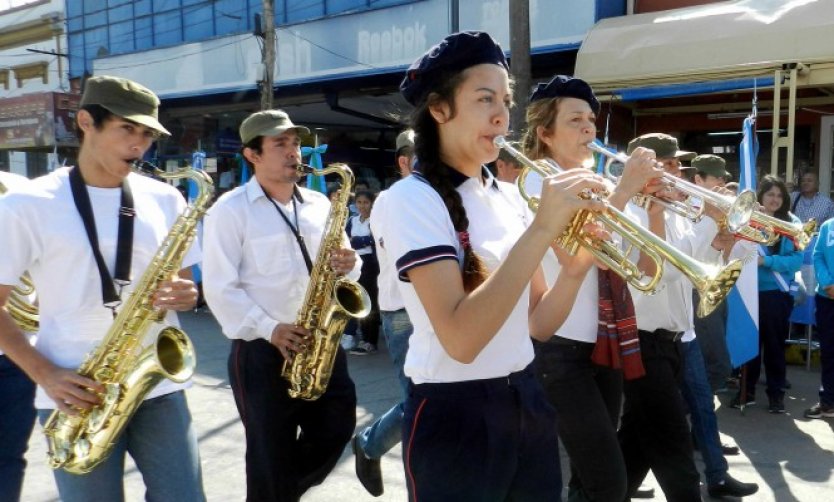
743, 300
315, 182
198, 161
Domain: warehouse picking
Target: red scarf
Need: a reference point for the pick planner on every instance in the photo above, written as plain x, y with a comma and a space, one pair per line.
618, 345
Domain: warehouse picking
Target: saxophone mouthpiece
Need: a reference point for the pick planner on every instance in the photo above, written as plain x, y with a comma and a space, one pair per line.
144, 166
304, 168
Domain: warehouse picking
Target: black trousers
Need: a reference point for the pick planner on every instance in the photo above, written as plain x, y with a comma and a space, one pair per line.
291, 444
654, 433
368, 280
774, 322
587, 399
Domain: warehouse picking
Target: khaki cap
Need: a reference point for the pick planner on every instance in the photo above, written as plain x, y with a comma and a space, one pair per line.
711, 165
267, 123
664, 146
124, 98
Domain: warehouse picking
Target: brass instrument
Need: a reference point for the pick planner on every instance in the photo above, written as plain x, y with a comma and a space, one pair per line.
128, 372
737, 210
766, 229
712, 282
329, 303
24, 314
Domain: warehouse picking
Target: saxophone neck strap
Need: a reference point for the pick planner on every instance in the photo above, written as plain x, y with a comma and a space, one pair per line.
124, 247
293, 228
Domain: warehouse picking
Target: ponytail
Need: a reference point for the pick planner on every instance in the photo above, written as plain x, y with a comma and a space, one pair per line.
427, 151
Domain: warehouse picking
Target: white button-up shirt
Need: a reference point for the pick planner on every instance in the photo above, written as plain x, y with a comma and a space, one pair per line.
671, 307
254, 275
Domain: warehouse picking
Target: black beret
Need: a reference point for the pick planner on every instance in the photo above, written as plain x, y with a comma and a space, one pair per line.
456, 52
566, 86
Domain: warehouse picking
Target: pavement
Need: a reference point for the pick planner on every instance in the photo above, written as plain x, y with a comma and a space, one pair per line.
789, 456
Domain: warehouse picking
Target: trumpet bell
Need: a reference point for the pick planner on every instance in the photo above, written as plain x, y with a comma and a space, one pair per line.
715, 288
741, 211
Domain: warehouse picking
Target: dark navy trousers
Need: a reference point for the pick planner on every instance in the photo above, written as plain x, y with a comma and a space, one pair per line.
481, 440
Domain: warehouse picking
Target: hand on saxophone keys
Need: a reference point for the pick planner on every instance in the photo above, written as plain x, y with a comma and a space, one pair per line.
70, 391
343, 260
176, 294
289, 339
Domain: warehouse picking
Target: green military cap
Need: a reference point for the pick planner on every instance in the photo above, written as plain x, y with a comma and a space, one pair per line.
124, 98
267, 123
712, 165
665, 146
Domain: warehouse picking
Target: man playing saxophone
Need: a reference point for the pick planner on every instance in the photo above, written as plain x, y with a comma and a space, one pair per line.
83, 234
260, 241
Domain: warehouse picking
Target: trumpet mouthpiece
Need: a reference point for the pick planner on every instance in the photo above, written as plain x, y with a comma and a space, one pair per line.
499, 141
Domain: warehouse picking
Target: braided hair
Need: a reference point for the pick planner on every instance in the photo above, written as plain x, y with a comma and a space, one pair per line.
436, 172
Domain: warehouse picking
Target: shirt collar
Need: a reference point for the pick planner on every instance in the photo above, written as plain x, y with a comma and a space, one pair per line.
458, 178
255, 191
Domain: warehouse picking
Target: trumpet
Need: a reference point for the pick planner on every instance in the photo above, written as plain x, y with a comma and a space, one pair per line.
711, 281
766, 229
737, 210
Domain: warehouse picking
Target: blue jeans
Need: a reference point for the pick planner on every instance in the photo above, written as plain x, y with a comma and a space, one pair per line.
386, 431
17, 418
161, 440
698, 396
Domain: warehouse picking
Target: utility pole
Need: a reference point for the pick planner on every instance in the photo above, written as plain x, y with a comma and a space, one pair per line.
520, 61
268, 54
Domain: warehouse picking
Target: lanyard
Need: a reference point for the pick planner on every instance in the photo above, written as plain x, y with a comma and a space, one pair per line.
124, 242
293, 228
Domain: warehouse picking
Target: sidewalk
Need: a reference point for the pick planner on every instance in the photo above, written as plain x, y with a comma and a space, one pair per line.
791, 457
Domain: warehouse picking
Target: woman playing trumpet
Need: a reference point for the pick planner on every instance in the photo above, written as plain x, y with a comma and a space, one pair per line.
585, 390
477, 424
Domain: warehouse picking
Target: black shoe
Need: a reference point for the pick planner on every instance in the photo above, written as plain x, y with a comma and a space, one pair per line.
732, 487
367, 470
736, 402
729, 450
777, 404
644, 492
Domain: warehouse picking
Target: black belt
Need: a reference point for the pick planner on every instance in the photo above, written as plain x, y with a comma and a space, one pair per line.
469, 388
663, 334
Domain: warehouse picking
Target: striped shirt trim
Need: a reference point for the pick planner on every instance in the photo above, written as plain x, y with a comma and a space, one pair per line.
420, 257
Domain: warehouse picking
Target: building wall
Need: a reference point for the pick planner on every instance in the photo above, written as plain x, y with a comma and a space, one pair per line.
32, 36
109, 27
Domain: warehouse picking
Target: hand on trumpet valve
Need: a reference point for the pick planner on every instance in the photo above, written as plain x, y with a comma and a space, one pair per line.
640, 174
564, 194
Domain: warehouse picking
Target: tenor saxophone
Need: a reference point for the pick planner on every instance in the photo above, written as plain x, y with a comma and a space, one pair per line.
329, 303
23, 313
126, 369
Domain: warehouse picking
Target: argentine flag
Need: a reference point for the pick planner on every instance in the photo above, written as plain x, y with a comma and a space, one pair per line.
198, 161
743, 300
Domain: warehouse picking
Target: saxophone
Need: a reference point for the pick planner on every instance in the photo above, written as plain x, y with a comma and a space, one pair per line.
329, 302
24, 314
78, 443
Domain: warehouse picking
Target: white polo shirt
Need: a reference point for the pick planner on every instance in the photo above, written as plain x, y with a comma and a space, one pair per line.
254, 275
583, 321
389, 296
46, 236
360, 228
416, 230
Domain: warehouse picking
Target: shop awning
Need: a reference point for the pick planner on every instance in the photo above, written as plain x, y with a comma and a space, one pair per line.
738, 41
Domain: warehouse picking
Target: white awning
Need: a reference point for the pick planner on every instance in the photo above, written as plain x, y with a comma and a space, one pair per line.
719, 41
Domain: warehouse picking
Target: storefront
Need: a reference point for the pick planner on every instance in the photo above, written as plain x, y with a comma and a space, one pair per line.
42, 126
695, 72
338, 75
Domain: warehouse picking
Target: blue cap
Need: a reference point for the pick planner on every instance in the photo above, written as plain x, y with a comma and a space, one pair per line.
564, 86
455, 53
